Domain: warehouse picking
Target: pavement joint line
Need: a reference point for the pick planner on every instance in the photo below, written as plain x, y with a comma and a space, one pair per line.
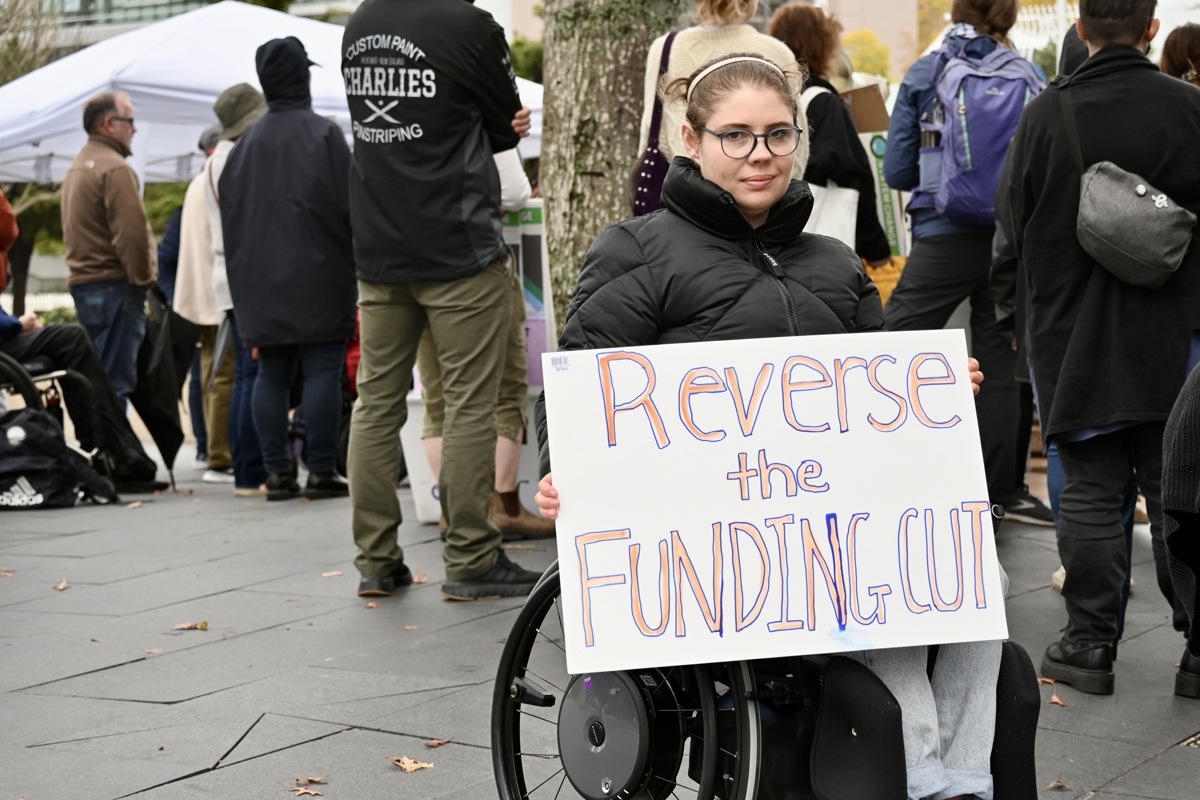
422, 736
166, 783
392, 694
77, 675
162, 702
344, 729
105, 736
240, 739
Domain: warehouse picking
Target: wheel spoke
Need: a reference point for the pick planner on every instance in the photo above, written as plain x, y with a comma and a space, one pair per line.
560, 785
535, 716
543, 783
545, 680
551, 641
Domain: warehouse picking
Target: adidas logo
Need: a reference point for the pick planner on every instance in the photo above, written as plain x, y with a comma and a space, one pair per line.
21, 495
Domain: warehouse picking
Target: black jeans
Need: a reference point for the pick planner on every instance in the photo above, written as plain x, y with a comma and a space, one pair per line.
97, 413
941, 272
1091, 538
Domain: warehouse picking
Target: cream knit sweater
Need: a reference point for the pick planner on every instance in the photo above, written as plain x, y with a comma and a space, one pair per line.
692, 49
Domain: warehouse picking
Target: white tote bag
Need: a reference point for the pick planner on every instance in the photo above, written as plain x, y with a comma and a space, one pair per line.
835, 208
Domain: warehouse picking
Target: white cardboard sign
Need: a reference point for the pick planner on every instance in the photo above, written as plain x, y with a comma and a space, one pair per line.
757, 498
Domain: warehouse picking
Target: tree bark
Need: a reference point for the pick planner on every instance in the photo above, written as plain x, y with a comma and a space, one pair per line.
594, 71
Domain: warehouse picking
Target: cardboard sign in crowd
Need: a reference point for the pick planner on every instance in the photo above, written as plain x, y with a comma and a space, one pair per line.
759, 498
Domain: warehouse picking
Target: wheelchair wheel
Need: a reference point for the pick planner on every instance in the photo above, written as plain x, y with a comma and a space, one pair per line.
670, 732
12, 374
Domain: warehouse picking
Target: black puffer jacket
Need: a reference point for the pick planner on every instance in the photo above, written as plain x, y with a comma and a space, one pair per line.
697, 271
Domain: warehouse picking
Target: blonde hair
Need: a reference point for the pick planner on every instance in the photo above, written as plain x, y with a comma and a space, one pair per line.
725, 12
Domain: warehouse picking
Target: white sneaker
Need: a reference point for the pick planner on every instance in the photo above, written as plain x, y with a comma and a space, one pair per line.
201, 463
1058, 578
217, 476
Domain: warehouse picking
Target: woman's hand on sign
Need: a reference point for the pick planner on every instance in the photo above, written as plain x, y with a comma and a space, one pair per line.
976, 375
547, 497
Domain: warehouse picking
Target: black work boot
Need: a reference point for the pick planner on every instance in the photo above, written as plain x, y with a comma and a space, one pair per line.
1087, 667
504, 579
282, 486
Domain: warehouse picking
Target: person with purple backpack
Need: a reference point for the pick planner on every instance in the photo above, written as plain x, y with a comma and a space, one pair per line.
955, 114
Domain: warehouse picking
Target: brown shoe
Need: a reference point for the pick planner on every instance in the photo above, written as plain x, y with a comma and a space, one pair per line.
515, 521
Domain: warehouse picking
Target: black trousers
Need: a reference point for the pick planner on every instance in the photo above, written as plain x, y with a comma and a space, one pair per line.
941, 272
98, 416
1091, 538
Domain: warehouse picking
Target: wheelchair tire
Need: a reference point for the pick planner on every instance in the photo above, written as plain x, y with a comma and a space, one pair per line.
687, 731
14, 375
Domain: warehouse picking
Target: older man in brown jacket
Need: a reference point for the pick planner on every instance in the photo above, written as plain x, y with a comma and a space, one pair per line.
110, 247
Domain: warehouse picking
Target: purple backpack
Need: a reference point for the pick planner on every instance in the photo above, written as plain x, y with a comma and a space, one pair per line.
979, 103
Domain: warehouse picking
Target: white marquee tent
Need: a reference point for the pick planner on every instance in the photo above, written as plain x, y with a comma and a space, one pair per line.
172, 71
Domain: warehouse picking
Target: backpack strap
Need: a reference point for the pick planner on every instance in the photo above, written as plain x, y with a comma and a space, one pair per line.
1068, 110
656, 115
807, 96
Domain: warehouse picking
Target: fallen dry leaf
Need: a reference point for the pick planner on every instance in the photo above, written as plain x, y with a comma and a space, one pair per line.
307, 500
372, 604
520, 547
1058, 701
202, 625
191, 492
154, 651
438, 742
409, 764
311, 781
63, 586
410, 628
334, 574
1058, 785
1046, 681
300, 791
5, 572
418, 576
135, 504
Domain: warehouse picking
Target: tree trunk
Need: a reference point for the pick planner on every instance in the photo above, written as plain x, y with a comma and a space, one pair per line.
594, 71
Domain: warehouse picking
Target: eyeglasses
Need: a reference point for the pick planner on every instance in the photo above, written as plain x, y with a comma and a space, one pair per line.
123, 119
740, 144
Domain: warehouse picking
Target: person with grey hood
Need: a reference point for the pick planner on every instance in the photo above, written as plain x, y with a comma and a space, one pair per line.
286, 224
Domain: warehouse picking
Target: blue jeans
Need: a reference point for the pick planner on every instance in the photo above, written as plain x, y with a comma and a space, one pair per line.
114, 315
321, 366
248, 470
196, 407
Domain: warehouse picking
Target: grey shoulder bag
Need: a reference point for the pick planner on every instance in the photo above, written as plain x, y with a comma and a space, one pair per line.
1132, 229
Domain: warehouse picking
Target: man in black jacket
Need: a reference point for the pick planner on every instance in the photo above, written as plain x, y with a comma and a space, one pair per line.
1108, 359
432, 97
286, 225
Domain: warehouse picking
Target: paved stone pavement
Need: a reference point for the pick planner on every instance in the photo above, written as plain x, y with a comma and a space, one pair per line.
295, 676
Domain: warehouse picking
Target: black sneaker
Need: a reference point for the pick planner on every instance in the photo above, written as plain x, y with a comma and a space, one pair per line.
1187, 680
385, 585
326, 484
504, 579
1024, 507
282, 486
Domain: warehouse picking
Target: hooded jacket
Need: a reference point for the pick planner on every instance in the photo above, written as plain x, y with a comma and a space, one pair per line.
285, 216
696, 270
432, 97
1102, 351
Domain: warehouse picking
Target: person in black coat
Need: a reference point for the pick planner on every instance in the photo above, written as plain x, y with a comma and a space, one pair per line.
727, 258
285, 214
1108, 359
834, 150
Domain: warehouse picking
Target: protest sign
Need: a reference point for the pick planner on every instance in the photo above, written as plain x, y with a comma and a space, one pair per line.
758, 498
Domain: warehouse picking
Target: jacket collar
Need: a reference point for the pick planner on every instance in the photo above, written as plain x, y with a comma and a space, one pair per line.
689, 195
111, 144
1116, 58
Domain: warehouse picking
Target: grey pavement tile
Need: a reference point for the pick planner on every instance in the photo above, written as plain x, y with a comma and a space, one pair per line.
1143, 712
464, 714
272, 732
37, 719
199, 671
1084, 763
354, 764
1174, 773
16, 624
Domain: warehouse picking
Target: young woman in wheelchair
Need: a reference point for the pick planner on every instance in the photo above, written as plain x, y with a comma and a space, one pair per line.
727, 258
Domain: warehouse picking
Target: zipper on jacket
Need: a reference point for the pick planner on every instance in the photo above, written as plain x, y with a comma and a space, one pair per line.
776, 273
759, 253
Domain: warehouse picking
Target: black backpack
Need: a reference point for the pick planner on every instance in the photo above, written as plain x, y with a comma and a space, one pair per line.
39, 470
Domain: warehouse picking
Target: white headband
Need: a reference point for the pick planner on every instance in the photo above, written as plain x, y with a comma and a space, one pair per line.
725, 62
